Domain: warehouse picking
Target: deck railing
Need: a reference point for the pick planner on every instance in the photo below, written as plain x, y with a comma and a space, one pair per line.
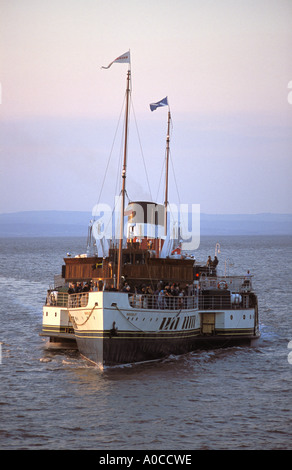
63, 299
231, 283
162, 302
78, 300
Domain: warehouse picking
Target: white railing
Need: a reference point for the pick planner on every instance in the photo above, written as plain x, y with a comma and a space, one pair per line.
63, 299
78, 300
162, 301
231, 283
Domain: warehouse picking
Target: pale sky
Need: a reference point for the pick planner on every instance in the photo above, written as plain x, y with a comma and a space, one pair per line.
225, 66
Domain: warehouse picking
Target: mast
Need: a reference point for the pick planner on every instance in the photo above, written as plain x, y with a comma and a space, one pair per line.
166, 174
123, 193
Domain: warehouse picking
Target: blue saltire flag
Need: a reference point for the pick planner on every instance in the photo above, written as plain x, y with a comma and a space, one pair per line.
163, 102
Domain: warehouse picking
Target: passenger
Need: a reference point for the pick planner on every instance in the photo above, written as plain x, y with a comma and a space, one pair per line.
247, 279
86, 288
71, 289
167, 296
126, 287
155, 297
181, 299
209, 264
78, 288
149, 290
214, 266
54, 297
161, 300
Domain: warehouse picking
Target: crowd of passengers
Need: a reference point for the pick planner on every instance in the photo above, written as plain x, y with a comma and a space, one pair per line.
78, 287
164, 296
169, 290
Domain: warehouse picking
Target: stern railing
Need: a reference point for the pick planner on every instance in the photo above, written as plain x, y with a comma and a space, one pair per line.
162, 301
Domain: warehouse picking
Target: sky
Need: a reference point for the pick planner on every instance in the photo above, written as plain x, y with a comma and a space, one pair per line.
225, 66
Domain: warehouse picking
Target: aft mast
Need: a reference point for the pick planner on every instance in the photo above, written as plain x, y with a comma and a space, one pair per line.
153, 107
166, 173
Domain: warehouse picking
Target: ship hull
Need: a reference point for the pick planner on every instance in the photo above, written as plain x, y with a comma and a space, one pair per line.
109, 351
111, 331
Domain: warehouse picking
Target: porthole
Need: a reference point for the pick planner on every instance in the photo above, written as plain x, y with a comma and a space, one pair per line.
243, 317
55, 314
231, 317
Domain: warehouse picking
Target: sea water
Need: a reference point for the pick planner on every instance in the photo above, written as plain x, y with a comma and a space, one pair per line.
233, 398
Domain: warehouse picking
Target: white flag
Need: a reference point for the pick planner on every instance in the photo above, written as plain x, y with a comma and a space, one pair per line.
122, 59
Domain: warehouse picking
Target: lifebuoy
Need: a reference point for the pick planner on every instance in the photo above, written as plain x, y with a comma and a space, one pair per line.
177, 251
222, 285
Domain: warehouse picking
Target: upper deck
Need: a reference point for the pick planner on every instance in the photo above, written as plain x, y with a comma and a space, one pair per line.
216, 292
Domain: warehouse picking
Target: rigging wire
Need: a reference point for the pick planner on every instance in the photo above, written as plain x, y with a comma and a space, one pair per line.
141, 151
111, 151
174, 177
118, 179
162, 168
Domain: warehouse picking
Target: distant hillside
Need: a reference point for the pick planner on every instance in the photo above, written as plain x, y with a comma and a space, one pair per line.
249, 224
44, 224
74, 223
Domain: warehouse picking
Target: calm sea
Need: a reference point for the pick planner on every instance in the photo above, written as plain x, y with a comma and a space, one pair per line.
236, 398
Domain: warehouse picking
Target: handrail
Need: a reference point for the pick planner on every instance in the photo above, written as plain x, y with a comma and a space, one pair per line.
63, 299
162, 301
232, 283
78, 300
57, 298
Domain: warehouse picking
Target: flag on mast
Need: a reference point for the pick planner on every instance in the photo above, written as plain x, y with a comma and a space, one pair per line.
122, 59
163, 102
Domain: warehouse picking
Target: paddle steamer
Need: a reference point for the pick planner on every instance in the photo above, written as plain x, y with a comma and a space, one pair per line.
143, 299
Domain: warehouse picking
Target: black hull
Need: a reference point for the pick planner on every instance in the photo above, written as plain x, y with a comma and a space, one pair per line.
122, 349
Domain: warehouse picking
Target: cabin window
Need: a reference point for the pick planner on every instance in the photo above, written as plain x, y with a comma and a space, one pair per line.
231, 317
